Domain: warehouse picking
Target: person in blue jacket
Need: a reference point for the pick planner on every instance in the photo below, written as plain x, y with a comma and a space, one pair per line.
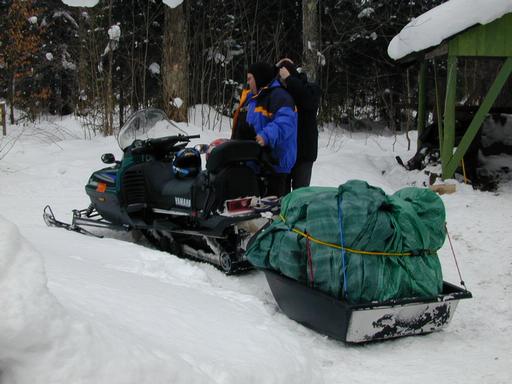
268, 115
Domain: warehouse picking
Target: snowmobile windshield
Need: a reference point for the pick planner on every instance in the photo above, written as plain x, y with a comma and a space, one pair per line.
145, 124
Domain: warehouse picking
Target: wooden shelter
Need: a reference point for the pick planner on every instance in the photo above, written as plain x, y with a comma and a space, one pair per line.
491, 40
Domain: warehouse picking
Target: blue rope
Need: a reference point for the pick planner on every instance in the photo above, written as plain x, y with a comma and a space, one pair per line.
343, 256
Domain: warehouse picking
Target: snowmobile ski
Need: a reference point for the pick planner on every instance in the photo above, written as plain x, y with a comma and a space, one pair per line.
51, 221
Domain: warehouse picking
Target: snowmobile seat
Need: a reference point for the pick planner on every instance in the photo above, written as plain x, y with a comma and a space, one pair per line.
233, 151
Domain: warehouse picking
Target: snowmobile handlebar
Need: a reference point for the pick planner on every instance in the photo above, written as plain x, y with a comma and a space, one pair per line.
160, 144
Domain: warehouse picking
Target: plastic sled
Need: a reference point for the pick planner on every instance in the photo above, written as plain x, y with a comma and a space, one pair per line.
359, 323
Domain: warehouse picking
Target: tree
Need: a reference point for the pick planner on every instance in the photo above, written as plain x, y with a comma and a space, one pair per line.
67, 57
60, 52
20, 43
310, 38
175, 63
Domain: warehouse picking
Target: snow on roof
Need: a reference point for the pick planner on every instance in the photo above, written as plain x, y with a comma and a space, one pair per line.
443, 21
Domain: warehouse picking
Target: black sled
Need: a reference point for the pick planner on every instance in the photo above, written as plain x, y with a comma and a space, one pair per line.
360, 323
208, 215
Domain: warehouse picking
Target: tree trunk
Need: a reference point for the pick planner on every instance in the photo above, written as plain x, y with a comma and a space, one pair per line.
108, 121
175, 64
82, 69
121, 103
147, 19
310, 38
11, 97
109, 98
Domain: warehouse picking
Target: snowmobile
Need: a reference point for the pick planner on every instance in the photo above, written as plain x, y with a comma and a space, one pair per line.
159, 189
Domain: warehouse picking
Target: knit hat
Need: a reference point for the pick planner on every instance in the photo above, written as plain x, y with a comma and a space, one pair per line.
263, 73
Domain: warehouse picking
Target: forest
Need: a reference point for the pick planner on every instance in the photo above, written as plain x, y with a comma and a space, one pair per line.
105, 62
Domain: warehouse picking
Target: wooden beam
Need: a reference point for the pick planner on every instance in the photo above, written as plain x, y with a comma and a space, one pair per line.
478, 119
489, 40
443, 188
421, 100
449, 112
441, 50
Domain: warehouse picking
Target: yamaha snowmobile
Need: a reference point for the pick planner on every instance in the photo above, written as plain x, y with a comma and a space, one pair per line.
159, 188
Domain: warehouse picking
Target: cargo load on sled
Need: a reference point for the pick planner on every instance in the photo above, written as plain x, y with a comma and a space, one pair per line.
357, 264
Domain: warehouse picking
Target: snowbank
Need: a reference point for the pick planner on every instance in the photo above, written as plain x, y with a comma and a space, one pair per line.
443, 21
41, 343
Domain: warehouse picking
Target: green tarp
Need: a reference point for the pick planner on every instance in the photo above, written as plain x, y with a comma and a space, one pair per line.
409, 223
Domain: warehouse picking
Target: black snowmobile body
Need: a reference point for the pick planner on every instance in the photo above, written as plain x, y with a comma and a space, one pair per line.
210, 216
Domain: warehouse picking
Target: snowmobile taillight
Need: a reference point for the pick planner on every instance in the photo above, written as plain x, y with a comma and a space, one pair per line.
237, 206
102, 187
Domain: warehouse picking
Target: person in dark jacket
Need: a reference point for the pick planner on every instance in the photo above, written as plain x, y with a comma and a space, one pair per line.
267, 114
307, 98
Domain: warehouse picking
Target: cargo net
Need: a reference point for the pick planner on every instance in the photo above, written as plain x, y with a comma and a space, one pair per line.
356, 243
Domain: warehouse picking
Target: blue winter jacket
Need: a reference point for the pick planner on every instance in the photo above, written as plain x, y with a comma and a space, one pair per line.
273, 116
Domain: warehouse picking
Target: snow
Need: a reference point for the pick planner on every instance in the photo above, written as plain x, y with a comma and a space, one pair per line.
172, 3
66, 64
367, 12
92, 3
154, 68
320, 59
78, 309
80, 3
114, 32
176, 102
66, 15
494, 132
444, 21
49, 56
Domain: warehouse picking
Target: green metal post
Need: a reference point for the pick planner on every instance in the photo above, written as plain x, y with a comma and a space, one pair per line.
439, 115
449, 113
421, 100
478, 119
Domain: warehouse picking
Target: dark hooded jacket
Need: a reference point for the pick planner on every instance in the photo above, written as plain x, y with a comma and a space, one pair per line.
307, 99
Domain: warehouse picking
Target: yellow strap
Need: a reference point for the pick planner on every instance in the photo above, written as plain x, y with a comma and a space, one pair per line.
338, 246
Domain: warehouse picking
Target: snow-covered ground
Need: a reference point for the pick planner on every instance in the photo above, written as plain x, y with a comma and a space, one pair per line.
78, 309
